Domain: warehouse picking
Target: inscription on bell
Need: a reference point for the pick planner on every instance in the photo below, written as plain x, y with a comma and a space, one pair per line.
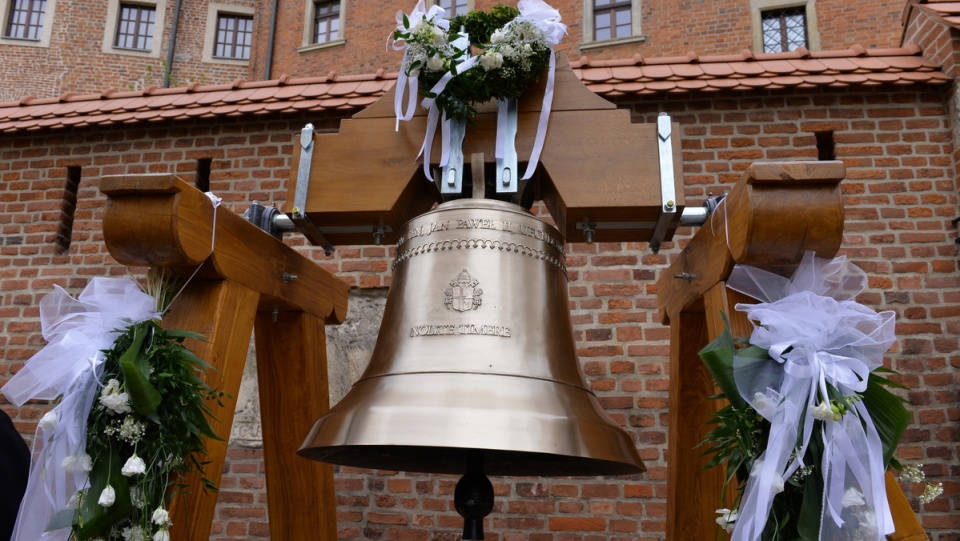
463, 294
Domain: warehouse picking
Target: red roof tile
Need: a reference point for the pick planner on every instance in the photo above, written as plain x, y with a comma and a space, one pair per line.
609, 78
950, 11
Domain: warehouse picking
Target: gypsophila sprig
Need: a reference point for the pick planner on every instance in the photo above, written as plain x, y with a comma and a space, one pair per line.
145, 433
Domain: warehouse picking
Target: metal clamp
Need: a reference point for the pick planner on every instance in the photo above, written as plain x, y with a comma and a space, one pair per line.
299, 218
507, 178
451, 174
668, 194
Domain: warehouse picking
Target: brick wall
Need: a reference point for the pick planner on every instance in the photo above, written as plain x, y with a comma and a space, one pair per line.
75, 62
900, 194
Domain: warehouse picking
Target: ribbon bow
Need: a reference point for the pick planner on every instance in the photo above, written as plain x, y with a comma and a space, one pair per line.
818, 336
547, 19
69, 366
406, 84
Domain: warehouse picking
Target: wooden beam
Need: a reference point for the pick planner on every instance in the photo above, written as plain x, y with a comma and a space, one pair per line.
771, 217
223, 312
161, 221
292, 378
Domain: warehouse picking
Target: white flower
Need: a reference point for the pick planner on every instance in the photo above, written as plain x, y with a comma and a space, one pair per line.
439, 36
85, 462
727, 519
114, 399
136, 497
134, 466
161, 535
74, 500
852, 497
69, 463
762, 404
823, 412
491, 60
49, 421
107, 497
435, 63
132, 533
160, 517
777, 485
497, 37
868, 524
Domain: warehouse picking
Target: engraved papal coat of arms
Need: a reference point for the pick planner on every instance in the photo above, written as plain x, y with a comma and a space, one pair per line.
463, 293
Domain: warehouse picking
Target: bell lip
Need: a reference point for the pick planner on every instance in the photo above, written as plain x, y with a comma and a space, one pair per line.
453, 460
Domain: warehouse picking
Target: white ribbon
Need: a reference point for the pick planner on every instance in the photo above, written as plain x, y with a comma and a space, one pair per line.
69, 365
817, 335
405, 83
547, 19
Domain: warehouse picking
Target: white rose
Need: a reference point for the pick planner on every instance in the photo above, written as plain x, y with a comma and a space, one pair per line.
49, 421
727, 519
85, 462
822, 412
852, 497
69, 463
435, 63
134, 466
160, 517
107, 497
496, 37
114, 399
491, 60
439, 36
161, 535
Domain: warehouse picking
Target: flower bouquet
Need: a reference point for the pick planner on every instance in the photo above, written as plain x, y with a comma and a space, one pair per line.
810, 427
131, 416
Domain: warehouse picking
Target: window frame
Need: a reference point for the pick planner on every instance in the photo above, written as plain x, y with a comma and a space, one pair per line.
46, 29
307, 44
589, 40
782, 17
757, 7
139, 10
214, 11
112, 29
469, 7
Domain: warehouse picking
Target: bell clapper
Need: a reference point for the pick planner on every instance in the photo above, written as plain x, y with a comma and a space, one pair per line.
473, 496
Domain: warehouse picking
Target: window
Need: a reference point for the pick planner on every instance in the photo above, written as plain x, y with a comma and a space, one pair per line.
135, 27
784, 29
326, 21
452, 8
612, 19
25, 20
233, 36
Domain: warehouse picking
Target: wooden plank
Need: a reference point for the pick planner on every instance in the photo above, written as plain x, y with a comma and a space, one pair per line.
908, 527
161, 221
223, 311
292, 376
772, 216
692, 492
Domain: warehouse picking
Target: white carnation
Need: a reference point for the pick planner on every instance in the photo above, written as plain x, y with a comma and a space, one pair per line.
114, 399
134, 466
107, 497
491, 60
160, 517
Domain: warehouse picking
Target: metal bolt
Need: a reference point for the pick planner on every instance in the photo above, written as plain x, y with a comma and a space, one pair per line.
288, 277
588, 232
669, 205
685, 276
378, 235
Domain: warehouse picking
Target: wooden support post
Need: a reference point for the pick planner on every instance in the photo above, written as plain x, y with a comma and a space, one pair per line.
292, 374
223, 312
245, 276
771, 217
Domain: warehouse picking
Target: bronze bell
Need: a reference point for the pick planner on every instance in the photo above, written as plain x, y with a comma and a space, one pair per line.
475, 362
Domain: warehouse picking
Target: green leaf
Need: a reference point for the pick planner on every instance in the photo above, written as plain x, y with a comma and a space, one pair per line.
406, 21
718, 358
811, 508
135, 366
889, 415
91, 518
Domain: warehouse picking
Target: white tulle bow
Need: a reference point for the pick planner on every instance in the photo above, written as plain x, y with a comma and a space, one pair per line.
69, 366
407, 85
818, 335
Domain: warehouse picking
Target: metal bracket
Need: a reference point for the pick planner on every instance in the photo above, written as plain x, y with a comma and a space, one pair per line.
668, 194
303, 223
507, 178
451, 175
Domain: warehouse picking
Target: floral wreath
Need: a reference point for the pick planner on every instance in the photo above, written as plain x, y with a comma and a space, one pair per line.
130, 420
515, 47
810, 427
